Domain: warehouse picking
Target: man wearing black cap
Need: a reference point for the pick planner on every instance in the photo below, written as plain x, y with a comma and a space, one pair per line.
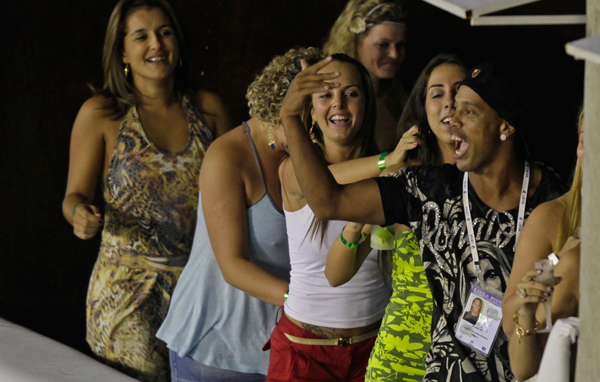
491, 126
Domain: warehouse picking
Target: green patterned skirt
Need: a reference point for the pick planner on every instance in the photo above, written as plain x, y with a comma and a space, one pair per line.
405, 335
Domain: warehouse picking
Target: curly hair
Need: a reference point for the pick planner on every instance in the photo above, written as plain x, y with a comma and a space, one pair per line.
342, 39
265, 94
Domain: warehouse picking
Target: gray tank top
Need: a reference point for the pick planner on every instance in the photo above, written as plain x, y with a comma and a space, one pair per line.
215, 323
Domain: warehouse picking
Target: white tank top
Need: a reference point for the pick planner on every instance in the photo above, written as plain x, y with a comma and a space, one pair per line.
359, 302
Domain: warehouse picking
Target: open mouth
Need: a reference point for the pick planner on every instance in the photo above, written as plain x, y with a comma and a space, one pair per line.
460, 146
446, 121
340, 120
157, 59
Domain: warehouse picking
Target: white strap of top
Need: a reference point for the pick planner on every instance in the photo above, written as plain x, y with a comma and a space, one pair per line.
469, 222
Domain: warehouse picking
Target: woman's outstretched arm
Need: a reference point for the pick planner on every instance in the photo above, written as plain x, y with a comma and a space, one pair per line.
329, 200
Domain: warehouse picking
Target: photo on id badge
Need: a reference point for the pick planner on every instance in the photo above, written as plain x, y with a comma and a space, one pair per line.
480, 320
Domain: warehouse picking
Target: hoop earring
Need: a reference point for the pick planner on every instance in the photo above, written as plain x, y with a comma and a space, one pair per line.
503, 137
311, 132
126, 70
270, 137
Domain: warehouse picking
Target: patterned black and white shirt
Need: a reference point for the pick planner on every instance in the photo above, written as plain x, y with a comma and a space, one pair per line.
429, 200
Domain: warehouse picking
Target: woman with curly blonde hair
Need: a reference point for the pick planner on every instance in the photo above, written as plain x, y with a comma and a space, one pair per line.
219, 319
374, 33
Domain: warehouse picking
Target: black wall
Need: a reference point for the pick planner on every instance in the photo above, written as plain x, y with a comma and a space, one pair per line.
52, 49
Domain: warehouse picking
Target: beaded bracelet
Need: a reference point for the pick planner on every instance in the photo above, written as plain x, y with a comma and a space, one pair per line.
521, 332
381, 162
352, 245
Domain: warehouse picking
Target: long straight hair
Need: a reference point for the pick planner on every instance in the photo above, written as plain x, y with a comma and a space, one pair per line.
571, 218
120, 88
364, 143
428, 151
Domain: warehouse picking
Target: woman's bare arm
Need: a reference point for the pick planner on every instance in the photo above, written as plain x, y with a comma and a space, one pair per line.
536, 243
85, 167
344, 262
224, 202
526, 353
364, 168
328, 199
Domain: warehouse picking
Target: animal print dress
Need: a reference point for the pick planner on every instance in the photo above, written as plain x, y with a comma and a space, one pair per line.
151, 202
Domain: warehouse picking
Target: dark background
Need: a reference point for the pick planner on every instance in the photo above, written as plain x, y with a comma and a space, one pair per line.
51, 50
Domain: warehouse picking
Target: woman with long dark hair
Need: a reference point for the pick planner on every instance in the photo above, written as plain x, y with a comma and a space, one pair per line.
143, 136
315, 314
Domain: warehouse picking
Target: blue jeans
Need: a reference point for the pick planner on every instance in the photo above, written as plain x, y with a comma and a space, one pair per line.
188, 370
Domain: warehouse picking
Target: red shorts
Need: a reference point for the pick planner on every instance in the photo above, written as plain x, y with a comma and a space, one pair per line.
290, 361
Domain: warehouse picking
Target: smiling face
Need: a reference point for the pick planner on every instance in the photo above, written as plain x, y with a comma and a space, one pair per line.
150, 45
382, 50
476, 128
439, 99
339, 112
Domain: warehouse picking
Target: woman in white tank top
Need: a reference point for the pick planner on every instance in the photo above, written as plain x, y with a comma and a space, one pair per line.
327, 333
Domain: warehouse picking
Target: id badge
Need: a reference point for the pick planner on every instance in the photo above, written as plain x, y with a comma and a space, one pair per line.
481, 320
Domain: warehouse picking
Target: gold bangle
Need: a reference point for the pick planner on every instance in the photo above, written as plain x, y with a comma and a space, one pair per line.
521, 332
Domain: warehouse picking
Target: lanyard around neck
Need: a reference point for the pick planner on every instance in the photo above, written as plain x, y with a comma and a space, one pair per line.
469, 222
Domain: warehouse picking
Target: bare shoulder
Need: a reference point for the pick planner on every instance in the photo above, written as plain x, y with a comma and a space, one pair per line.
213, 109
210, 103
94, 114
228, 152
97, 107
540, 231
547, 215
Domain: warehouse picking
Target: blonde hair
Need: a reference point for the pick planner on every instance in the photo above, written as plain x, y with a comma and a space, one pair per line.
363, 15
571, 218
265, 94
341, 38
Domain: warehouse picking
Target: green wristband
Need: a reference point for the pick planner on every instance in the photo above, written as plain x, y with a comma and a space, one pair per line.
74, 208
352, 245
381, 162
